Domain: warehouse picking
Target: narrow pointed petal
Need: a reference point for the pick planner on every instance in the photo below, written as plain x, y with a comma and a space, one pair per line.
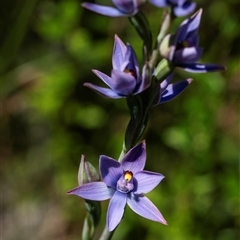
193, 22
116, 210
166, 82
145, 208
97, 191
104, 77
135, 158
147, 181
126, 6
181, 33
193, 26
184, 10
119, 51
173, 90
131, 58
188, 27
111, 170
105, 92
145, 80
123, 83
104, 10
201, 68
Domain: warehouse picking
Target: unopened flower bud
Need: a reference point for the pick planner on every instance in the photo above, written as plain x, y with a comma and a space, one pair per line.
165, 47
87, 173
163, 69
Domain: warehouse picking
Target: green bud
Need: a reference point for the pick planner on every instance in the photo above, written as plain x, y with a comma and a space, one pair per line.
163, 69
165, 47
165, 25
86, 172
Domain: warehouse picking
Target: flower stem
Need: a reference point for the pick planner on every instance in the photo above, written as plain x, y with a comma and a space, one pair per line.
122, 153
106, 235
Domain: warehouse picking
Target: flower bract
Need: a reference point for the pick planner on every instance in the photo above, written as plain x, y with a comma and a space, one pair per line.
124, 183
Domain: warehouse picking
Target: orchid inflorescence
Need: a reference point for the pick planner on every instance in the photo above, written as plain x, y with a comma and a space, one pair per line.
124, 181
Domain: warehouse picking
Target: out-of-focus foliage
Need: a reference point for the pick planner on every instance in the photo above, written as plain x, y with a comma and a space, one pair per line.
49, 119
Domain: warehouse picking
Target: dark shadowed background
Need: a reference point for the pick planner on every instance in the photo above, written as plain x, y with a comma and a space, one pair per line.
48, 119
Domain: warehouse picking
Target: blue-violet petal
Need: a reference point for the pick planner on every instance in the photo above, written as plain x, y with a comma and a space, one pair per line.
105, 92
111, 170
202, 68
147, 181
116, 210
97, 191
135, 158
173, 90
104, 10
145, 208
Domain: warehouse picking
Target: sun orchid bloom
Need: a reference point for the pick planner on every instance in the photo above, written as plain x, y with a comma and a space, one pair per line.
125, 77
182, 48
124, 183
180, 7
122, 8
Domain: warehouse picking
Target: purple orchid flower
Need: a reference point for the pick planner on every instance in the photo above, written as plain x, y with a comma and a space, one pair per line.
125, 183
125, 78
121, 9
169, 91
182, 48
180, 7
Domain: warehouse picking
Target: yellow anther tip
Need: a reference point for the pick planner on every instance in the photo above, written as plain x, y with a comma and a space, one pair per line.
128, 176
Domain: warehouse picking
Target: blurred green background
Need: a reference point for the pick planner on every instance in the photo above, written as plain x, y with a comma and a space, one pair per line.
48, 119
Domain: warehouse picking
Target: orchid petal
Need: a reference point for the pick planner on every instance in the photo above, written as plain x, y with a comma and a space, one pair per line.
103, 91
176, 2
147, 181
145, 80
132, 61
194, 21
116, 210
123, 83
97, 191
135, 158
201, 68
166, 82
187, 54
181, 33
145, 208
104, 10
126, 6
119, 51
188, 27
184, 10
104, 77
159, 3
111, 170
173, 90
